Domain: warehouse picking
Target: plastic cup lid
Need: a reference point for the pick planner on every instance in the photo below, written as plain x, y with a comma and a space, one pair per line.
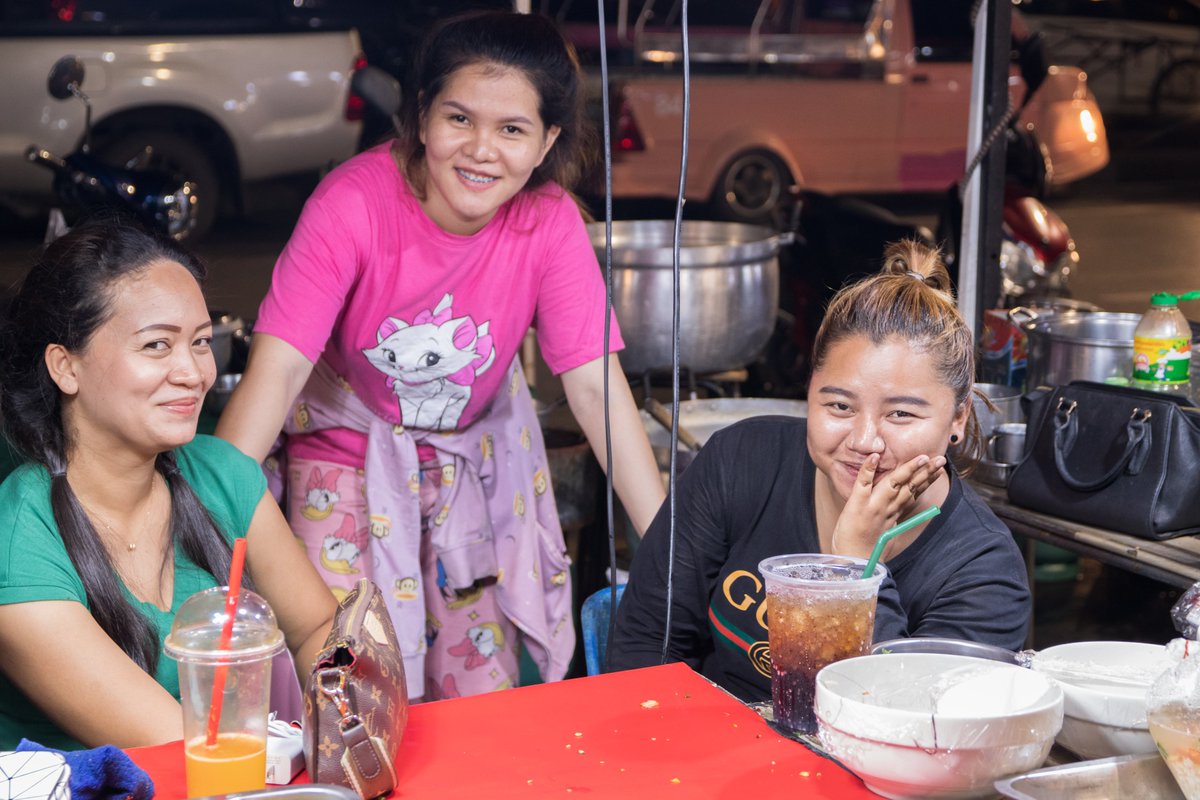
196, 632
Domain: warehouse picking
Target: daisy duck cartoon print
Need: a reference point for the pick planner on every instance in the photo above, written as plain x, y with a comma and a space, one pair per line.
431, 363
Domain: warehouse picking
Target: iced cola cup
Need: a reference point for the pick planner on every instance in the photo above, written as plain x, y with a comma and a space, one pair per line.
236, 759
819, 610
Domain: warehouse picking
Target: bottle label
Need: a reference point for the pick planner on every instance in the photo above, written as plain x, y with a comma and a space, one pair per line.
1161, 361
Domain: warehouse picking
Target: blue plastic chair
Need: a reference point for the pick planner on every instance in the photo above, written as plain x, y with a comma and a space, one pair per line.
594, 617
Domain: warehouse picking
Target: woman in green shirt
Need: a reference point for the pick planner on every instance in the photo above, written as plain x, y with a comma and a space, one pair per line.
122, 511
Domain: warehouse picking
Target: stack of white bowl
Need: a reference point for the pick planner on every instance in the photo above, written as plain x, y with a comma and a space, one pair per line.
1104, 690
926, 725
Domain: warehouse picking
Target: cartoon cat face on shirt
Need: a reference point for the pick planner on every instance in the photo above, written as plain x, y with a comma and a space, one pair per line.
436, 346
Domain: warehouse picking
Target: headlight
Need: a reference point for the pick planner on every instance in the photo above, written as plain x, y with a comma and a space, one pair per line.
1021, 268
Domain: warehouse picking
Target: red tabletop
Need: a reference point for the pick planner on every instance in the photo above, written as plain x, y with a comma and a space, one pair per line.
643, 733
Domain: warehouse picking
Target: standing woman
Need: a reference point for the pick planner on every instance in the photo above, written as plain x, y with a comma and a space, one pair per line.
386, 349
890, 393
122, 512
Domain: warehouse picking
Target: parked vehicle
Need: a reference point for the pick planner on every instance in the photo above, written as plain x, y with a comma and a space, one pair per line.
83, 182
834, 102
223, 95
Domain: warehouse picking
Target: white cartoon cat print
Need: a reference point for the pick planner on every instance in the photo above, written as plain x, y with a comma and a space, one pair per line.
431, 364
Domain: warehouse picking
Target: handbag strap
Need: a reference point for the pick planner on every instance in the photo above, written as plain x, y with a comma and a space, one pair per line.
365, 760
1138, 439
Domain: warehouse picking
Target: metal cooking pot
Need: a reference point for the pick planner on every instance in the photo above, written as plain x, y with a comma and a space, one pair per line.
703, 418
1006, 399
1090, 347
225, 328
728, 292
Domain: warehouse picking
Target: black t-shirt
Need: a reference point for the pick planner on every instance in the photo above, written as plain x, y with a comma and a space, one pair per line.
749, 495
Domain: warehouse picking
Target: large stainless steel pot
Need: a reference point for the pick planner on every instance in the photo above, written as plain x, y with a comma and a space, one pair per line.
1091, 347
728, 292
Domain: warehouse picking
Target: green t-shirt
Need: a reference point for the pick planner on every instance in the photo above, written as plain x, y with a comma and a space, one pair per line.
34, 564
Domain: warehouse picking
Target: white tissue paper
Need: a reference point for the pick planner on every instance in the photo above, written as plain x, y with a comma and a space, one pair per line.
34, 775
285, 751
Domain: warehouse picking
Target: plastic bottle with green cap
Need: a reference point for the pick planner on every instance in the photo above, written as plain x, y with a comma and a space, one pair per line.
1162, 346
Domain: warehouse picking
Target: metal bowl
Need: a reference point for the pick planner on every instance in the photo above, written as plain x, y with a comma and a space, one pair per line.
953, 647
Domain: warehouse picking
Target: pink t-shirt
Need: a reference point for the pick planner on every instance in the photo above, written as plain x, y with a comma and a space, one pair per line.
422, 323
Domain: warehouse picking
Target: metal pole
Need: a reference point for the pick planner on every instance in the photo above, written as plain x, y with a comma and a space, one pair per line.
983, 200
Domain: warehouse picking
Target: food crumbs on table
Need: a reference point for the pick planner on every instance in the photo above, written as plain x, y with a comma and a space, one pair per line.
675, 780
580, 752
579, 733
650, 704
804, 773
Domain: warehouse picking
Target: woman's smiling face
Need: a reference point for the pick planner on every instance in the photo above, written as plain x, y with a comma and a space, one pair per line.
877, 398
139, 382
483, 137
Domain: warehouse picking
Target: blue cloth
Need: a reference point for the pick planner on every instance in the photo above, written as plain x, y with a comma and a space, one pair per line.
101, 773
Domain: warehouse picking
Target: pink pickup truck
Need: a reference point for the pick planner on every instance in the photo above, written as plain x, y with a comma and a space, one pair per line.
812, 95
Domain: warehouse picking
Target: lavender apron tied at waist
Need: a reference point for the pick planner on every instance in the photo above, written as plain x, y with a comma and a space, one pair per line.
496, 514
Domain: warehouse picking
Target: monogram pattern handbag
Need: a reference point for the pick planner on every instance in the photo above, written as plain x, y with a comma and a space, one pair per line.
356, 702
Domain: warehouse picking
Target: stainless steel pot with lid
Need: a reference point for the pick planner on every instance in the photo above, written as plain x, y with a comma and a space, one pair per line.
1092, 347
728, 291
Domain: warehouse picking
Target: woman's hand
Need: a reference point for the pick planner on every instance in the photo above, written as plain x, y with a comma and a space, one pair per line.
872, 507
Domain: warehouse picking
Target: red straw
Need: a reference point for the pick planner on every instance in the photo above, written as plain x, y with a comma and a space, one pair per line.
231, 603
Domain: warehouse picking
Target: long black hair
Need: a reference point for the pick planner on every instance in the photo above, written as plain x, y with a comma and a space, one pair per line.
527, 43
64, 299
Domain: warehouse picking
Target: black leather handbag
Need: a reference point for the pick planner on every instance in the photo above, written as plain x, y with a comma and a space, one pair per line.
1112, 457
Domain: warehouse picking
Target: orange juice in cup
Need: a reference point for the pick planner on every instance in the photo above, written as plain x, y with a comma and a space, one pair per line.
224, 689
236, 763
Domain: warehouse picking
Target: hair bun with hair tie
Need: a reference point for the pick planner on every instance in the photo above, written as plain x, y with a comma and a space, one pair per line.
912, 274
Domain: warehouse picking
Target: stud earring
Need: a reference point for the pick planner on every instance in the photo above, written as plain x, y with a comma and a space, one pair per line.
954, 438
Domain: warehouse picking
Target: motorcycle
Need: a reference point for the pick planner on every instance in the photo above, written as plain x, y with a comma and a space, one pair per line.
84, 183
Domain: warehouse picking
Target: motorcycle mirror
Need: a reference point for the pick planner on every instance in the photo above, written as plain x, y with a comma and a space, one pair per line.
66, 73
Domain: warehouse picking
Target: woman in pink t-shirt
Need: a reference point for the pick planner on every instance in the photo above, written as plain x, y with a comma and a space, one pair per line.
386, 349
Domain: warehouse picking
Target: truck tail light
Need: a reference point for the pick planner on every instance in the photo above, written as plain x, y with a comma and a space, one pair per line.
355, 105
628, 138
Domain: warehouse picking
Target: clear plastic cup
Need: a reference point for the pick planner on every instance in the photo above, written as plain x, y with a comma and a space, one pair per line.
819, 610
237, 762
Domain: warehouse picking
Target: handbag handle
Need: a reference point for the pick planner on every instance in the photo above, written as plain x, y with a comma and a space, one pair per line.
1137, 446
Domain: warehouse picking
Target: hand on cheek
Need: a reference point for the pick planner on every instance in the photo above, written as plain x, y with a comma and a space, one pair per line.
873, 507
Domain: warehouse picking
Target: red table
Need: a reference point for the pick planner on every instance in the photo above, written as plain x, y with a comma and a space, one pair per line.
657, 732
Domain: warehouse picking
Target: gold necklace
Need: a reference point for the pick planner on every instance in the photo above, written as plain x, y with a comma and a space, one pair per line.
130, 546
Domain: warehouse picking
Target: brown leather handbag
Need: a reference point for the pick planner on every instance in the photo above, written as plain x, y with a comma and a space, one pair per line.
356, 703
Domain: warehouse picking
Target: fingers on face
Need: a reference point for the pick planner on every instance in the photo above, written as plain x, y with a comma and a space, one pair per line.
866, 473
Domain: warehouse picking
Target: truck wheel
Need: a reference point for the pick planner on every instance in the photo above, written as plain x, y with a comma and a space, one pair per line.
179, 156
1176, 90
752, 187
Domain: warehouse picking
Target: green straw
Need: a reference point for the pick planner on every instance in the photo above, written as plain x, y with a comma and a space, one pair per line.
892, 533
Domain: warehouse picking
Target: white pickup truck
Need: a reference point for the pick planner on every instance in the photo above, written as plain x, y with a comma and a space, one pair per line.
841, 97
252, 96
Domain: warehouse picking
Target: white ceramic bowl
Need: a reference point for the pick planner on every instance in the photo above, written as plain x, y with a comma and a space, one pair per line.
1104, 694
926, 725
